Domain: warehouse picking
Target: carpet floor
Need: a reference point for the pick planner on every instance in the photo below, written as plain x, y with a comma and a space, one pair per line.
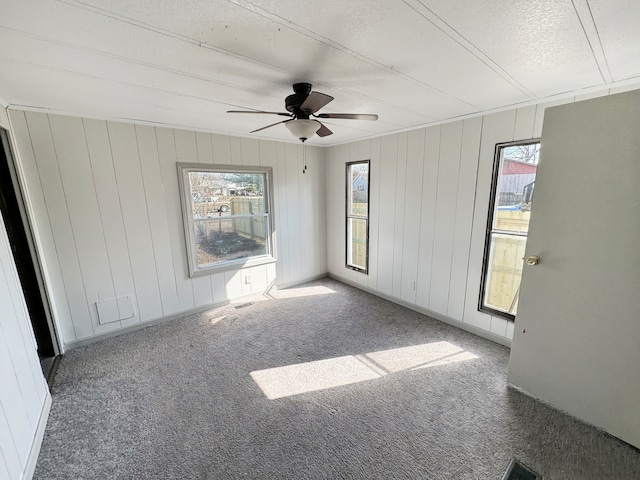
322, 381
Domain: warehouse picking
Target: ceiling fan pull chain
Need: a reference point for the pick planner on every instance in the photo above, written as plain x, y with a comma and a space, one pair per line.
304, 158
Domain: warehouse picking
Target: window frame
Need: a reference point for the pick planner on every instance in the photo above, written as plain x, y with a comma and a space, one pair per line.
348, 216
497, 161
188, 219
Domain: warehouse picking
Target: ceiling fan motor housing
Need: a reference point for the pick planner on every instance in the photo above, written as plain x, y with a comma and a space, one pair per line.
293, 102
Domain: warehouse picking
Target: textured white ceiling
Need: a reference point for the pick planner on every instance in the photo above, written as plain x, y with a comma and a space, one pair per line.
413, 62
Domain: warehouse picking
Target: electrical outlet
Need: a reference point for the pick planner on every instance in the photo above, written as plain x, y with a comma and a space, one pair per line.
412, 285
247, 278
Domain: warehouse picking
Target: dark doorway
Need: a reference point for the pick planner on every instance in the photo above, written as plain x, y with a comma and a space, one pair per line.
24, 254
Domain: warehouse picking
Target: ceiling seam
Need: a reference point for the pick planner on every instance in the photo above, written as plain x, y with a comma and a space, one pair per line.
337, 46
134, 61
172, 93
195, 42
536, 103
121, 82
596, 50
461, 40
599, 39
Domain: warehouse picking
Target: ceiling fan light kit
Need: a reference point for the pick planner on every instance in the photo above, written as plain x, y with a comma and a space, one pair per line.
303, 129
302, 104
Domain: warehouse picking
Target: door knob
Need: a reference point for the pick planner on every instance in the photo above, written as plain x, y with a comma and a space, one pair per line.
533, 260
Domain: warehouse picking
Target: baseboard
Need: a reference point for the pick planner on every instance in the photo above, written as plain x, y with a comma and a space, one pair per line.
32, 459
282, 286
435, 315
175, 316
140, 326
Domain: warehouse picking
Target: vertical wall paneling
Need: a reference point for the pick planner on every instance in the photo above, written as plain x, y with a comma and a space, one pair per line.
446, 200
496, 128
471, 132
108, 218
306, 257
374, 211
218, 287
106, 190
387, 193
321, 198
268, 158
446, 172
204, 148
235, 148
428, 214
398, 216
221, 149
341, 210
167, 159
126, 160
58, 217
202, 290
292, 174
332, 220
233, 282
525, 122
413, 201
78, 183
41, 226
312, 207
282, 214
249, 151
152, 180
13, 470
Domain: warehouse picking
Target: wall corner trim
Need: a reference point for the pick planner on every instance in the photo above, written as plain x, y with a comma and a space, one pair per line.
32, 460
429, 313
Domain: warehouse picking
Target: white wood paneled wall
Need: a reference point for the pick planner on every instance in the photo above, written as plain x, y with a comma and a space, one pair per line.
428, 214
104, 201
23, 391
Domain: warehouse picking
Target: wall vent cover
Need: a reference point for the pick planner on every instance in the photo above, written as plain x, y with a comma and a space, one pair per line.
517, 471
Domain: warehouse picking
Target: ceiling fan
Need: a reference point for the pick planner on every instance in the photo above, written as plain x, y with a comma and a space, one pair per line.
302, 105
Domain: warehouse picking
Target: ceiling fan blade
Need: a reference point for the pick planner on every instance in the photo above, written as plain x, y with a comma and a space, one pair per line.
349, 116
283, 114
323, 131
315, 101
269, 126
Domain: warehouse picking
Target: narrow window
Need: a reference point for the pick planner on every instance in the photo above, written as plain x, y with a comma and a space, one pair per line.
227, 216
510, 208
358, 216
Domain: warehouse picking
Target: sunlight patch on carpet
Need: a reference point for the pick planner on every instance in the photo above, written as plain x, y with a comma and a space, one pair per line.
335, 372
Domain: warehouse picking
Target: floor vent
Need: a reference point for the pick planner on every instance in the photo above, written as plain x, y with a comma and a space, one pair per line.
243, 305
517, 471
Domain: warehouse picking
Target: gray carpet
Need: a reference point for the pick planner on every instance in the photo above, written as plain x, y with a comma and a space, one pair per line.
178, 401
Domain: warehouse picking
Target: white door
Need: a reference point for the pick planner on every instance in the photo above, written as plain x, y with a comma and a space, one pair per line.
577, 332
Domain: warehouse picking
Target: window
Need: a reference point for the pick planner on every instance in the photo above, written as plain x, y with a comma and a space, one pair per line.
510, 208
227, 216
358, 216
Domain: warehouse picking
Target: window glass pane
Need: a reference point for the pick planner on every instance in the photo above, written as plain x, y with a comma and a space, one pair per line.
225, 239
359, 194
218, 193
504, 272
357, 244
516, 181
